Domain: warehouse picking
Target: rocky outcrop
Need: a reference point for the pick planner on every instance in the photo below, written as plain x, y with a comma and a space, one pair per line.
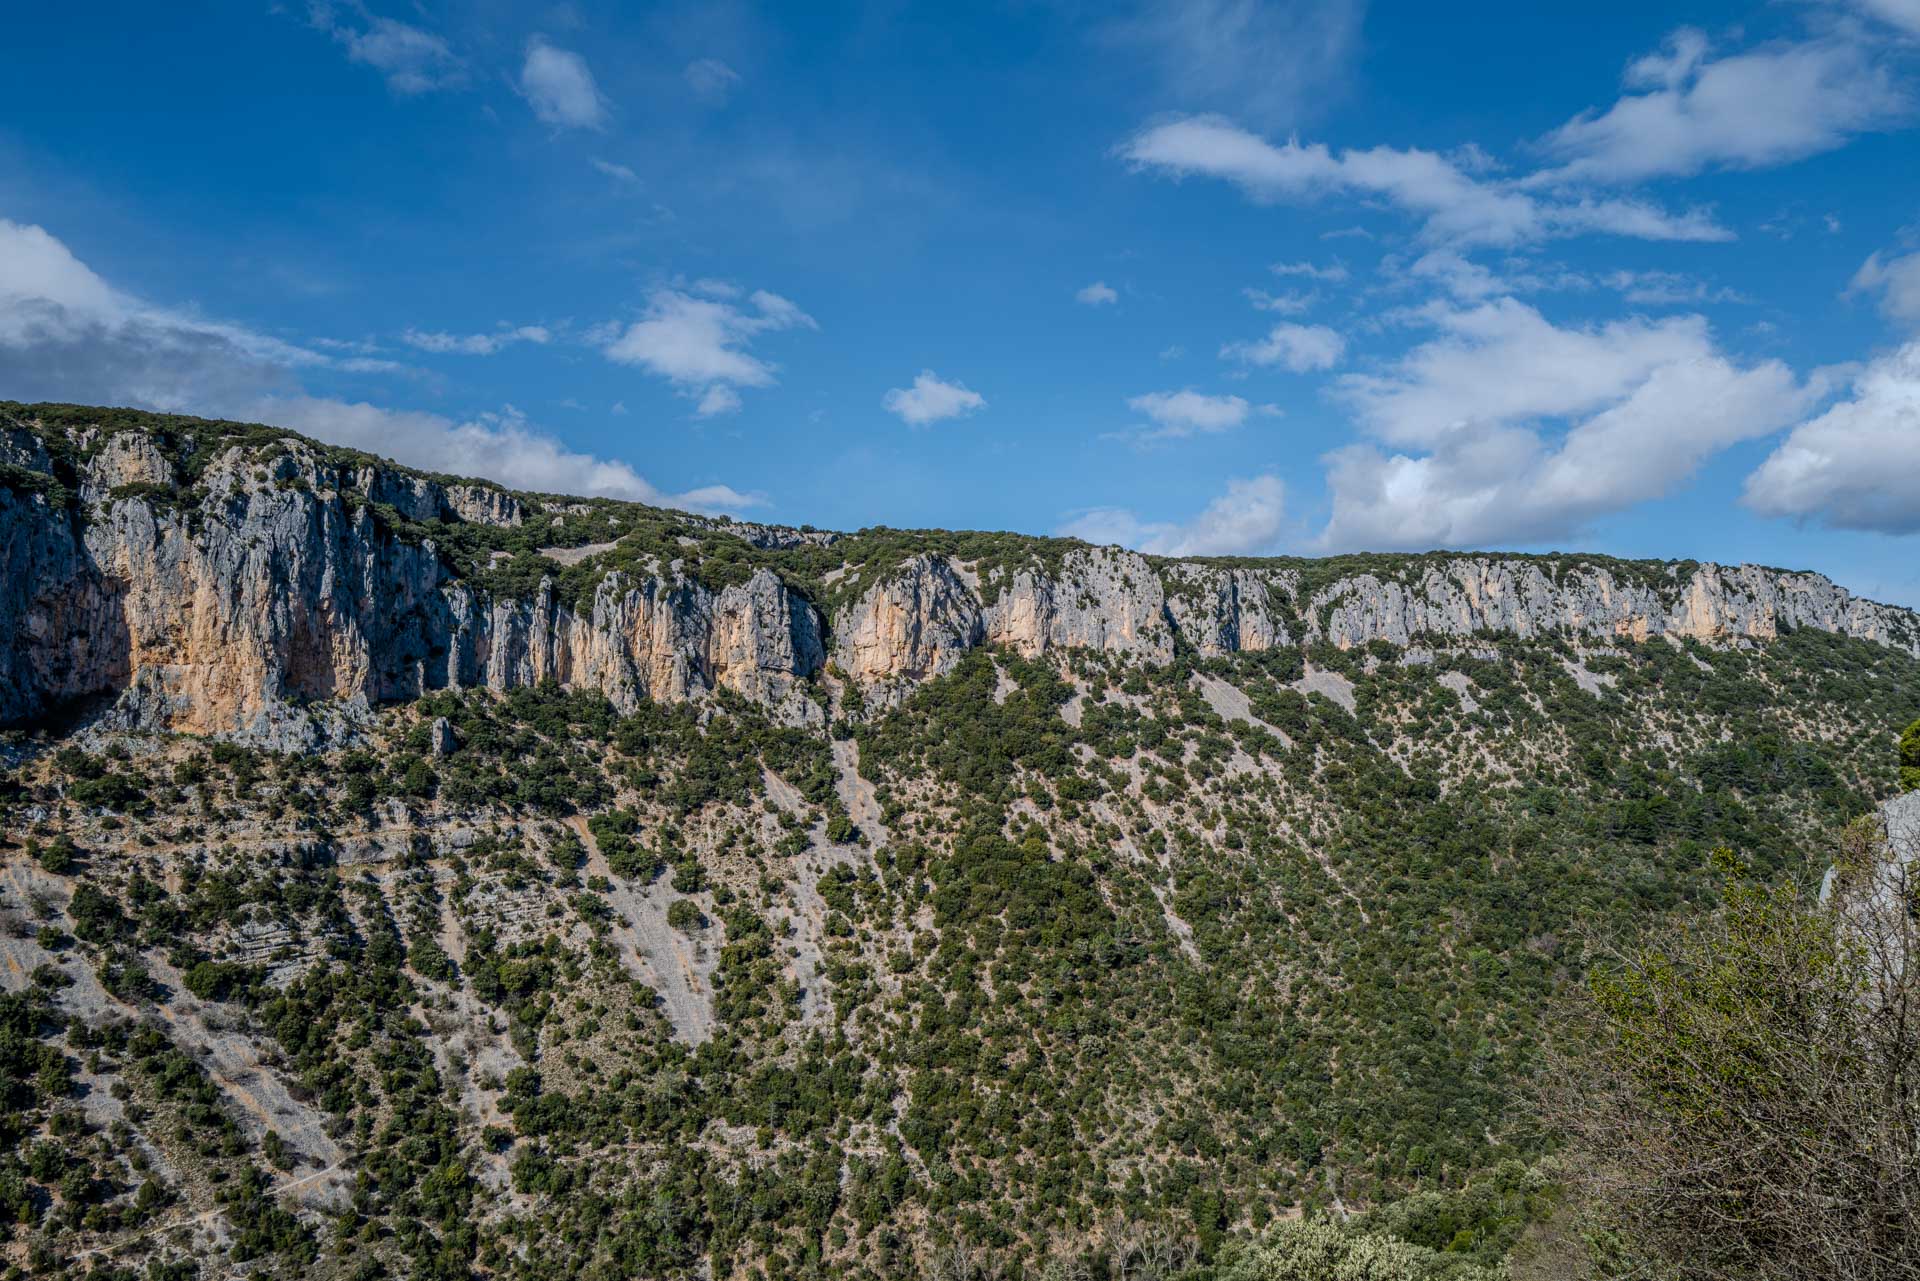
273, 601
1474, 595
1118, 602
913, 626
1103, 599
280, 609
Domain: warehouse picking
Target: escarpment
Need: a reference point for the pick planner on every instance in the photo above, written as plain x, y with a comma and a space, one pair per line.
222, 579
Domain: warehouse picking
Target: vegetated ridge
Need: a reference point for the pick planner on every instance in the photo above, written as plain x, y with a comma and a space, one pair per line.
404, 874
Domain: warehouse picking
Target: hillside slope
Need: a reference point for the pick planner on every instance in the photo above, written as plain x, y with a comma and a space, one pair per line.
403, 875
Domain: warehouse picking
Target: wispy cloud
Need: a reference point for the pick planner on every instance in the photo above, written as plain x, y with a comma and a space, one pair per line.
1454, 206
413, 60
1694, 112
1097, 294
1268, 62
618, 172
1333, 273
711, 80
476, 344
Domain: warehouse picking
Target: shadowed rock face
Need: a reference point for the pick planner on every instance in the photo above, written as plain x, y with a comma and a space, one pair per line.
277, 607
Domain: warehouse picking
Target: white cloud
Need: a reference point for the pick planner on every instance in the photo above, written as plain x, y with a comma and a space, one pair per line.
1896, 280
711, 80
1187, 412
1527, 431
1504, 362
1287, 304
619, 173
66, 334
1456, 207
1667, 289
718, 399
699, 343
930, 400
1470, 281
499, 446
1904, 14
1331, 274
1763, 107
1097, 294
475, 344
1300, 348
1265, 61
1459, 276
413, 61
1246, 520
559, 87
1856, 466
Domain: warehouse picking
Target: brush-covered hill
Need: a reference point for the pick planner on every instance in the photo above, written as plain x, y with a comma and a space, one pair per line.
402, 875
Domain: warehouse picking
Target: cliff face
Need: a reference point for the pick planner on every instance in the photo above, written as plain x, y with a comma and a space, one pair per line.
276, 608
265, 597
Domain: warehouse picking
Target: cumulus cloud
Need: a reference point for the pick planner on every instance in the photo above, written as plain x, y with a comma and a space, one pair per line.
1512, 429
1896, 280
700, 343
1246, 520
931, 400
1454, 205
711, 80
1299, 348
1856, 466
1097, 294
67, 334
560, 88
1187, 412
444, 344
413, 61
1748, 110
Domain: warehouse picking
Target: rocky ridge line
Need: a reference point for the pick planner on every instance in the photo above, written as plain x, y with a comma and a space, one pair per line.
277, 606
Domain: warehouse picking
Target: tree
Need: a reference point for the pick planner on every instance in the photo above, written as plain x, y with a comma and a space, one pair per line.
1910, 757
1739, 1090
1316, 1250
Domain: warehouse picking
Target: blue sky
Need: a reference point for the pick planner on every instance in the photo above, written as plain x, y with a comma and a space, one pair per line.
1215, 277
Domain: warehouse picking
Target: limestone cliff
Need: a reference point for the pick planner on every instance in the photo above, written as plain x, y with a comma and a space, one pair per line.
277, 604
222, 579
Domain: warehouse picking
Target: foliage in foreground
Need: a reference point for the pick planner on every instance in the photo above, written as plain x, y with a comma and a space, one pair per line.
1739, 1090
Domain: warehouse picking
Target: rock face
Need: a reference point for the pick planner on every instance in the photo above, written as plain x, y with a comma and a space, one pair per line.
1117, 602
267, 599
279, 610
